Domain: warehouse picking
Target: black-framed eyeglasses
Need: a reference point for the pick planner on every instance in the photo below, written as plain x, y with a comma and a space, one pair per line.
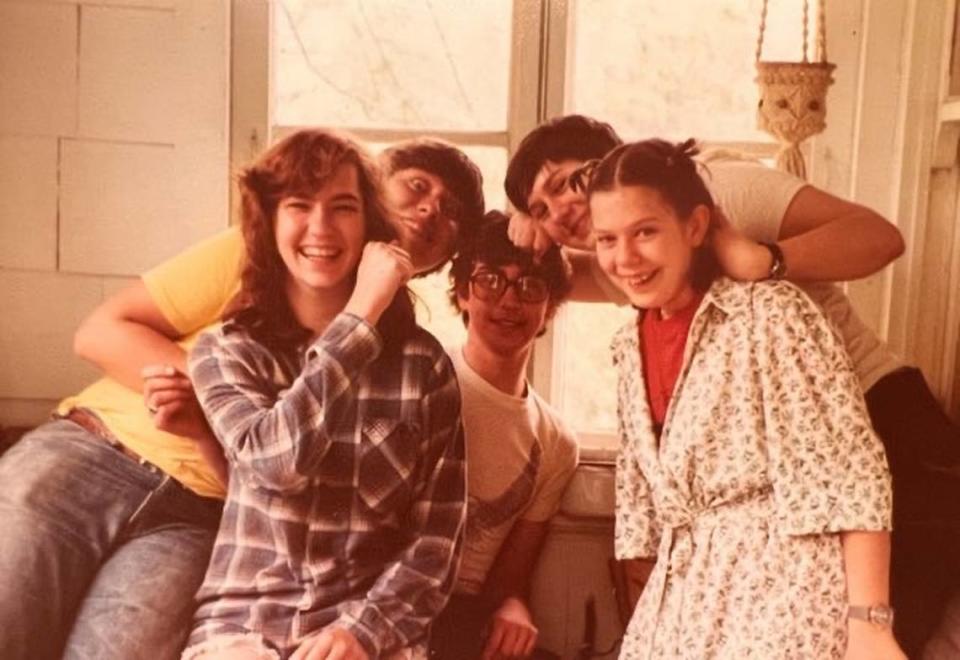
490, 285
579, 179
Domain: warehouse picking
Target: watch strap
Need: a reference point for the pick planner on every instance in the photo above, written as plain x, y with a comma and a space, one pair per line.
881, 615
778, 269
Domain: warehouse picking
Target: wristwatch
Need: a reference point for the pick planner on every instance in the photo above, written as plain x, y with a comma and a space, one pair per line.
878, 615
778, 269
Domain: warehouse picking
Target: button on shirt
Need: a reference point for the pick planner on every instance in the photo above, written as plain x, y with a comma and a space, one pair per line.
346, 500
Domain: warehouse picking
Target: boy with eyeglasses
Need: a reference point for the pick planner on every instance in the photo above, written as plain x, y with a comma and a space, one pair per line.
520, 454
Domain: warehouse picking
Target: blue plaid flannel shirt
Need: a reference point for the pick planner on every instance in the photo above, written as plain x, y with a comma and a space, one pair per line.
347, 492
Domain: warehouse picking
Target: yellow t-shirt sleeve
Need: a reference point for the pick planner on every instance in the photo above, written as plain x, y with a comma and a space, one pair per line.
193, 288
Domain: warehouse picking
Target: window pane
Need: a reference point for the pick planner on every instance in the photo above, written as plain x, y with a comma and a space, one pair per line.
492, 162
587, 384
437, 64
676, 70
434, 311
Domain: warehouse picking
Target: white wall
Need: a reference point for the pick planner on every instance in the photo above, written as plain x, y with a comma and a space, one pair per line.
113, 156
880, 148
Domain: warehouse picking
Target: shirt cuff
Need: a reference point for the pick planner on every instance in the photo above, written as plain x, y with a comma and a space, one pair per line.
350, 339
364, 629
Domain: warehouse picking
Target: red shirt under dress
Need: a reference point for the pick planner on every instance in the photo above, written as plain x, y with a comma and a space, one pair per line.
661, 346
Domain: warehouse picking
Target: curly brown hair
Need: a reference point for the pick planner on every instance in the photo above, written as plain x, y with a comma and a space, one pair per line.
298, 166
492, 246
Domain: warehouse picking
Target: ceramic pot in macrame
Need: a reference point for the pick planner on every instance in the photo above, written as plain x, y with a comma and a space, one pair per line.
793, 95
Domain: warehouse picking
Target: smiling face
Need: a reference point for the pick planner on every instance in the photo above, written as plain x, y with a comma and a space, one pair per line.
424, 214
320, 239
562, 211
500, 321
645, 248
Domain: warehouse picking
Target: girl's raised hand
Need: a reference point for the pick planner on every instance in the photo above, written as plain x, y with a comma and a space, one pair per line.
383, 269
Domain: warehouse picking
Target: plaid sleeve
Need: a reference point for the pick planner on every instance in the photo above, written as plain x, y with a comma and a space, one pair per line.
274, 439
412, 591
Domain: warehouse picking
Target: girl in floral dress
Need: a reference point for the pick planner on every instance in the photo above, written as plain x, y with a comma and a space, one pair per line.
748, 470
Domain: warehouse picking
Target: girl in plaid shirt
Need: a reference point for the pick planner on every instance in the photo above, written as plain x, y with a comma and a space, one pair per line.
340, 420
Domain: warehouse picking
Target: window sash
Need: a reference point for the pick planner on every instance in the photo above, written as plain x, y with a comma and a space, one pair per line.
537, 91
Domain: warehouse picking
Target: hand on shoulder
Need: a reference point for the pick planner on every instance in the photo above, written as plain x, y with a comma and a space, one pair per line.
740, 257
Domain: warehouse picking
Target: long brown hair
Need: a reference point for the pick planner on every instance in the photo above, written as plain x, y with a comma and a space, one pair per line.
298, 166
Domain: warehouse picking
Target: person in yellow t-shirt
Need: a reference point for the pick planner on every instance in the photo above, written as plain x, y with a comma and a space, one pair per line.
111, 509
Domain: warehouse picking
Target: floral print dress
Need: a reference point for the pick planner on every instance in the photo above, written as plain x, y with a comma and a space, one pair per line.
766, 452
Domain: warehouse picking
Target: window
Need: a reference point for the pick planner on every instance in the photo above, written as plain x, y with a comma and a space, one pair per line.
481, 74
389, 71
380, 64
675, 75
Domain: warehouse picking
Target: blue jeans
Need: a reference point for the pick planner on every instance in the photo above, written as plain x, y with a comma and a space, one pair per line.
100, 556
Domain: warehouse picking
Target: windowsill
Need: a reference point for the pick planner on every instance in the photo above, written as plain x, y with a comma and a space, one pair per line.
594, 455
597, 448
590, 493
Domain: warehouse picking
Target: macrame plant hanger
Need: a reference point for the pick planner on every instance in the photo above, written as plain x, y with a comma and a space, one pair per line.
793, 95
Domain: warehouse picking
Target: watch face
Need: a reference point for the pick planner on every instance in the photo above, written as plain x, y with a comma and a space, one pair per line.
881, 615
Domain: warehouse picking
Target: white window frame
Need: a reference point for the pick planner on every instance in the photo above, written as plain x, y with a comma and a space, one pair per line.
926, 323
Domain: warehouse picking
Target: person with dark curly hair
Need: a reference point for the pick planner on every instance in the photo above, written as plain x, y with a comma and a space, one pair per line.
520, 453
435, 196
